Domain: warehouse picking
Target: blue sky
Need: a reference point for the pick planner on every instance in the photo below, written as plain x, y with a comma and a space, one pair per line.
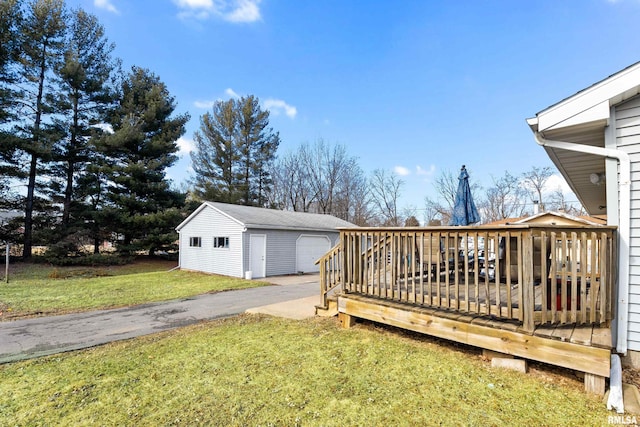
418, 87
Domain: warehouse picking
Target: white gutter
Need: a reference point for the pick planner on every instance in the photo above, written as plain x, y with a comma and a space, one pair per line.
624, 226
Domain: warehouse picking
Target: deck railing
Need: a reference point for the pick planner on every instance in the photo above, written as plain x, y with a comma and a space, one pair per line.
531, 274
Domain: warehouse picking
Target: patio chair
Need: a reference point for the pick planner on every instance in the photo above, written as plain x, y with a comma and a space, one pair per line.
432, 254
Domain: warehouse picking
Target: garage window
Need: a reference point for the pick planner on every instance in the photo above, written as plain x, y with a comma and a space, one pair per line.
195, 242
221, 242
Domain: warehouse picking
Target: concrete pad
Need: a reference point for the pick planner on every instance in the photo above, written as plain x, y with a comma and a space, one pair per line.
519, 365
631, 398
293, 279
297, 309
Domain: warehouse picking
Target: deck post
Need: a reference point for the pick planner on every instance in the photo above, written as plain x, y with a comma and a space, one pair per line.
345, 261
346, 320
323, 282
528, 295
594, 384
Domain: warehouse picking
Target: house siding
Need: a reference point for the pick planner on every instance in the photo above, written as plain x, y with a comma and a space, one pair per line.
281, 248
208, 224
627, 122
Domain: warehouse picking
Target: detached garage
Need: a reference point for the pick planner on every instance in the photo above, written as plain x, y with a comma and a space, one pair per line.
236, 240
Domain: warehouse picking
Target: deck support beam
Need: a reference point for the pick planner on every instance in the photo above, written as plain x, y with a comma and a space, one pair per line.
591, 360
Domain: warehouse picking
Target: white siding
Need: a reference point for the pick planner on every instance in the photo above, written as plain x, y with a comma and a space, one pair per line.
208, 224
628, 139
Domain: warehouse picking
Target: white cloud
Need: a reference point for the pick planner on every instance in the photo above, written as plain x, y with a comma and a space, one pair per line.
236, 11
245, 11
425, 172
402, 171
277, 106
554, 182
194, 4
106, 5
185, 146
231, 93
205, 105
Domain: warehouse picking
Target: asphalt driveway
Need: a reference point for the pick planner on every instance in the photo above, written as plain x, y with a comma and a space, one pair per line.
29, 338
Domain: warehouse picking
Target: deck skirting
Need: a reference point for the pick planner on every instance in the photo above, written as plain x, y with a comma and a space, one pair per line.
507, 339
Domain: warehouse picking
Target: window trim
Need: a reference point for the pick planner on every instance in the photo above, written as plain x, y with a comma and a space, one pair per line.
225, 242
195, 241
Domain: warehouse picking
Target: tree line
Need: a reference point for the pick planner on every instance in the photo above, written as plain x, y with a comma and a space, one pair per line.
508, 196
84, 146
324, 178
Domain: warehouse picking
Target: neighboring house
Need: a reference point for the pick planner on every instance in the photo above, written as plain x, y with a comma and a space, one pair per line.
593, 138
552, 218
243, 241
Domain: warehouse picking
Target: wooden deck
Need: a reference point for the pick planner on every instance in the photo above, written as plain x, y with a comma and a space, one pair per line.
539, 292
585, 348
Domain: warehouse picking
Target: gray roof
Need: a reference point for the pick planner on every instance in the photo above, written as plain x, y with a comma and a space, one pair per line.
253, 217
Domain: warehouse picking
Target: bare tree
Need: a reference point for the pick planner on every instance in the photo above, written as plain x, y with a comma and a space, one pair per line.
410, 215
353, 201
327, 166
431, 214
385, 191
558, 201
322, 178
291, 188
505, 199
534, 181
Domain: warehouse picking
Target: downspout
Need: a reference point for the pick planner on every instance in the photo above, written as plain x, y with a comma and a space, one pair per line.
624, 226
243, 267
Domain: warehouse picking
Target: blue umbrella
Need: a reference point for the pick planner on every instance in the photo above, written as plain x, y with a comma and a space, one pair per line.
464, 210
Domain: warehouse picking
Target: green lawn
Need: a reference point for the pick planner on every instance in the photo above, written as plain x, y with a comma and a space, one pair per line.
37, 289
262, 371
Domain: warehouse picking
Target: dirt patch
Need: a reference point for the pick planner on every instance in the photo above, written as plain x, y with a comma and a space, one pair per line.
631, 376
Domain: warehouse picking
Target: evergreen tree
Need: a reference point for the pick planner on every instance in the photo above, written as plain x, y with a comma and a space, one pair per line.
257, 145
10, 16
86, 91
234, 153
215, 158
41, 43
137, 154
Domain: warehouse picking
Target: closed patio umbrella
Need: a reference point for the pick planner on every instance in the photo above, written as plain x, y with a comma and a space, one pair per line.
464, 210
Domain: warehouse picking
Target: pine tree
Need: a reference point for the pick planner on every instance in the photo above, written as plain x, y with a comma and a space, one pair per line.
10, 16
41, 43
234, 152
215, 157
137, 154
86, 92
257, 145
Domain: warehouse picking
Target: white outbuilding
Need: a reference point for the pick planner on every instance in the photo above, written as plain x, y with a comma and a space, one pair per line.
246, 241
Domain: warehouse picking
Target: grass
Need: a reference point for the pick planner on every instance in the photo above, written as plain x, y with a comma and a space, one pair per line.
37, 289
262, 371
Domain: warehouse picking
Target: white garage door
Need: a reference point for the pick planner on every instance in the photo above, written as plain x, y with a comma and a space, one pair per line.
308, 250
